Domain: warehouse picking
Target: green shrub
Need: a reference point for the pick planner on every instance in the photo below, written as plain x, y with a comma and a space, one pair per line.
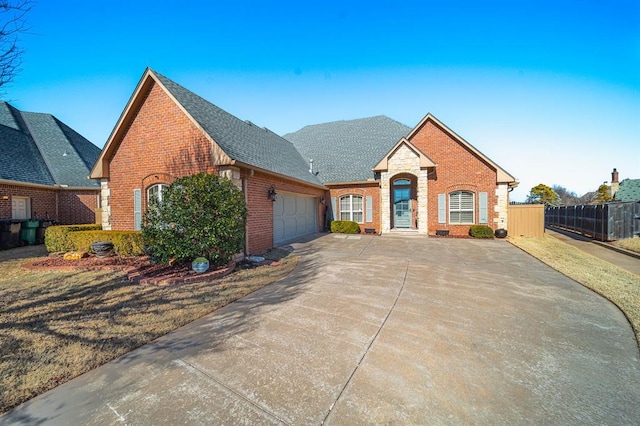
56, 238
200, 216
125, 243
481, 231
345, 227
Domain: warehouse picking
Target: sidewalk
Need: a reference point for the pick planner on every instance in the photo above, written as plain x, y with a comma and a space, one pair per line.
597, 249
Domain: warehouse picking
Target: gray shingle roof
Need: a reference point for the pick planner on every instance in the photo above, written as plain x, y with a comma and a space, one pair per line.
347, 151
628, 191
242, 141
38, 148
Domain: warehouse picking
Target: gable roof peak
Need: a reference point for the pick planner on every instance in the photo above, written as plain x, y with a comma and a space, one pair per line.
238, 141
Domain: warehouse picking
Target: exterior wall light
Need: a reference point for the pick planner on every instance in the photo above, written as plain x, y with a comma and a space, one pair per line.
272, 194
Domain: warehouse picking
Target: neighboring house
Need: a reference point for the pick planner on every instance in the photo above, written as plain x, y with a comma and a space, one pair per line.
628, 191
375, 171
44, 169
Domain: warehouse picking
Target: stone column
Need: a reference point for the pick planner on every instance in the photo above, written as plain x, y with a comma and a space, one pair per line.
105, 194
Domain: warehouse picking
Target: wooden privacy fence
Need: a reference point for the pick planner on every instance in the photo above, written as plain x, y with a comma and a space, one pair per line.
607, 222
526, 220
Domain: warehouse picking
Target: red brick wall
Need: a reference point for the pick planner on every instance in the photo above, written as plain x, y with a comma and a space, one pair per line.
43, 201
260, 221
77, 206
364, 190
160, 144
458, 168
70, 207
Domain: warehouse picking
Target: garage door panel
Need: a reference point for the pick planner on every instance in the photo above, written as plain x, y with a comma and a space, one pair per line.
293, 216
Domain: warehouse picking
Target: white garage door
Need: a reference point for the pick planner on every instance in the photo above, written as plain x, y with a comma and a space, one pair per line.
293, 217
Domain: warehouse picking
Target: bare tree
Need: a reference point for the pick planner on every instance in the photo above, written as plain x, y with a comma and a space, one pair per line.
12, 24
567, 198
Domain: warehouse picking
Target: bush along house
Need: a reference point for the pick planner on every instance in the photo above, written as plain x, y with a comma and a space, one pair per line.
375, 171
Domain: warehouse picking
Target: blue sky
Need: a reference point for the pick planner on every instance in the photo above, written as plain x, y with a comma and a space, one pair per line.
550, 90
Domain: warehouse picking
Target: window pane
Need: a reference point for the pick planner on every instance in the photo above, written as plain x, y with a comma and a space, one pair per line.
454, 201
345, 215
357, 203
466, 201
345, 203
357, 217
466, 217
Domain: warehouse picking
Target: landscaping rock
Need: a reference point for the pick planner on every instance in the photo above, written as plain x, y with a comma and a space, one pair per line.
75, 255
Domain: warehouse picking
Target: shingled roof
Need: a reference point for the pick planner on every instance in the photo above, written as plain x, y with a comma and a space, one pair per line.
38, 148
346, 151
628, 191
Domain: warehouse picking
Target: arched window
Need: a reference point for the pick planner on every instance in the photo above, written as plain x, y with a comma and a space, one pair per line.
461, 207
351, 208
155, 192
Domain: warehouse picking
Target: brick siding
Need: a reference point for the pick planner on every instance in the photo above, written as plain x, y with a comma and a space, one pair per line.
61, 205
363, 189
160, 144
260, 221
458, 168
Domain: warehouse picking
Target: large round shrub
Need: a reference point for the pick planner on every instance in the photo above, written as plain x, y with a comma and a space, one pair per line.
201, 215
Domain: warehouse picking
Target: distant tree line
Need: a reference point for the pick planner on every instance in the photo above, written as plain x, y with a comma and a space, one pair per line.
560, 196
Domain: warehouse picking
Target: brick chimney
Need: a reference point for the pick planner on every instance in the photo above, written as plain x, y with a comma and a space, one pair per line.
615, 184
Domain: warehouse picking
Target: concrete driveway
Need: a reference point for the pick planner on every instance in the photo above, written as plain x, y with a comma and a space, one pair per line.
378, 330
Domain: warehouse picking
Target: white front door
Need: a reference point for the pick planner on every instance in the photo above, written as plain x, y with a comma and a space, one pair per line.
20, 208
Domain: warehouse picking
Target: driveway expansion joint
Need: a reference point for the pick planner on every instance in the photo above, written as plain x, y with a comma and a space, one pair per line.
353, 373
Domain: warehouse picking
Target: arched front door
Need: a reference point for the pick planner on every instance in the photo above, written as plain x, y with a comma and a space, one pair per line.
401, 203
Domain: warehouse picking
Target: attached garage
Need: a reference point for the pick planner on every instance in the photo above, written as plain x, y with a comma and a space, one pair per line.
294, 216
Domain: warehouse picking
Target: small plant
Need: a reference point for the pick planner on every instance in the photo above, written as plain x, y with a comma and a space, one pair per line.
481, 231
344, 227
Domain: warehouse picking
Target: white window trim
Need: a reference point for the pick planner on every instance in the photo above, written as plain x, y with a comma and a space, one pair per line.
351, 210
461, 210
161, 187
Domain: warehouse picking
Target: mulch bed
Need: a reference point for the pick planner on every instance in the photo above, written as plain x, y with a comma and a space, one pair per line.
138, 269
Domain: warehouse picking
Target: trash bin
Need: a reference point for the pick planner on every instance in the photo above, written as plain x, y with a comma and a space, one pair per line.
28, 231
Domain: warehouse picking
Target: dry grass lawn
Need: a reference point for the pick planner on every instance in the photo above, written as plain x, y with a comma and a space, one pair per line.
57, 325
618, 285
632, 244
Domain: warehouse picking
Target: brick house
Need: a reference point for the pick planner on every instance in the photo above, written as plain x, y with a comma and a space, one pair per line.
166, 131
391, 178
376, 171
44, 169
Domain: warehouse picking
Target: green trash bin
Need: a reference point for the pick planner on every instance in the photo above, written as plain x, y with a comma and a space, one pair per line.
28, 231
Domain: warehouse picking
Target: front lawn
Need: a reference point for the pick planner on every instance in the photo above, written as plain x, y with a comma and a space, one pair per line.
57, 325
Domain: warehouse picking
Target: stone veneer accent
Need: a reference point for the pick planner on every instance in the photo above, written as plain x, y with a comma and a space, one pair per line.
502, 206
404, 161
105, 193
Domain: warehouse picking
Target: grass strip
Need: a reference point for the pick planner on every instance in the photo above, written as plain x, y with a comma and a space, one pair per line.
610, 281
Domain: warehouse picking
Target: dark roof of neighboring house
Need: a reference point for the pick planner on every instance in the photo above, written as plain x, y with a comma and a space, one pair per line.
38, 148
241, 140
347, 151
628, 191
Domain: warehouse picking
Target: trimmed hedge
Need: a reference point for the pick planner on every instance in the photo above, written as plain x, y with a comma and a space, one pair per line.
481, 231
56, 238
125, 243
345, 227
